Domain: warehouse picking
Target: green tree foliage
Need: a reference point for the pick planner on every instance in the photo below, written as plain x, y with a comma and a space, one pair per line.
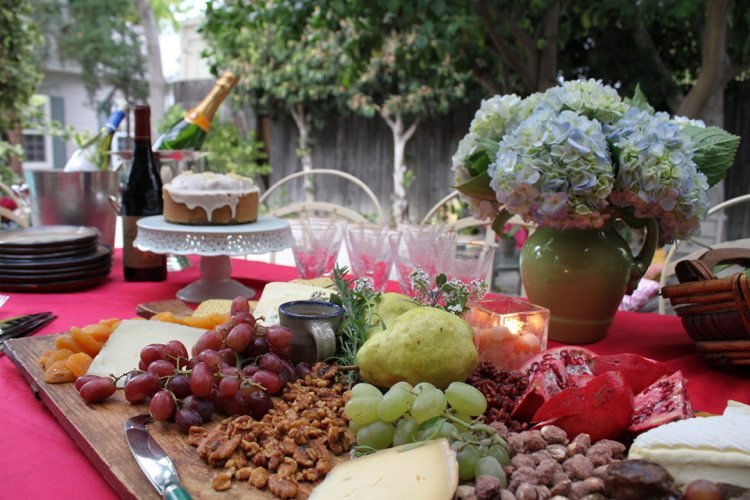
19, 75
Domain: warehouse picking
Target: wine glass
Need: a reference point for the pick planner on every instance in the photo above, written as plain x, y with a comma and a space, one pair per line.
316, 244
465, 261
417, 249
369, 247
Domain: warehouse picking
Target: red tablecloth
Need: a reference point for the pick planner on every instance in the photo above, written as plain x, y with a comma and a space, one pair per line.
39, 458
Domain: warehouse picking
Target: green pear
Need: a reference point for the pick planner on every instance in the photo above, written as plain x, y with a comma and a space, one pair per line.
424, 344
390, 306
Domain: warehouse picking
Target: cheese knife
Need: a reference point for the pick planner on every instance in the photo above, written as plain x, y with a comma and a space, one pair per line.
153, 460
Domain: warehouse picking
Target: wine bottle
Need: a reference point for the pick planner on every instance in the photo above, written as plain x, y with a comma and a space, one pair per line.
94, 154
190, 132
141, 197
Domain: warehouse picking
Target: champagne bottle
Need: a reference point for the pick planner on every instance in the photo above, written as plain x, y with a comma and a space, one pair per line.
141, 197
94, 154
190, 132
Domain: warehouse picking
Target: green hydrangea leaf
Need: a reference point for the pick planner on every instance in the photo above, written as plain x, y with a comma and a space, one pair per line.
639, 100
478, 187
714, 150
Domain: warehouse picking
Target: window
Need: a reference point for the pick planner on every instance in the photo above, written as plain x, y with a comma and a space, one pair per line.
37, 146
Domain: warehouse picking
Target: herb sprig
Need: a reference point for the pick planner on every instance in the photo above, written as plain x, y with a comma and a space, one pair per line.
357, 297
451, 295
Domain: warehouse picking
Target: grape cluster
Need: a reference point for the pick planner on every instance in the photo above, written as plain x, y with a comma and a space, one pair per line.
233, 370
406, 414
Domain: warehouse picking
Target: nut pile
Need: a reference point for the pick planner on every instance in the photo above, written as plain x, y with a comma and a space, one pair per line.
292, 443
546, 464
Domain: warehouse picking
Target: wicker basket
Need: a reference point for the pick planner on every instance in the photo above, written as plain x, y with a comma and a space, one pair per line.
714, 311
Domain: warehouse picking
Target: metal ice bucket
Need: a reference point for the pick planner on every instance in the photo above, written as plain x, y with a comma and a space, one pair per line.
75, 198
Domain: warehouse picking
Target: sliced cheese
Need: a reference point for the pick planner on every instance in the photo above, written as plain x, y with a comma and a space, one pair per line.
122, 351
428, 471
277, 292
716, 448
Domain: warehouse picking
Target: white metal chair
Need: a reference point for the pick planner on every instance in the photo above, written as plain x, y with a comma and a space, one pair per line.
668, 270
322, 206
19, 215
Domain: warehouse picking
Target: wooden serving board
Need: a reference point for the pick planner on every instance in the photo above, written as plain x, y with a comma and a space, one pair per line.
98, 429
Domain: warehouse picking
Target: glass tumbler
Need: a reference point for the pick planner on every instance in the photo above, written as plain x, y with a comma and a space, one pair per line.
417, 250
316, 244
466, 261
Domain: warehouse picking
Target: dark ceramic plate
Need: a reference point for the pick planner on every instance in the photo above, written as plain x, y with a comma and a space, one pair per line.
54, 259
44, 275
49, 252
52, 287
47, 236
101, 255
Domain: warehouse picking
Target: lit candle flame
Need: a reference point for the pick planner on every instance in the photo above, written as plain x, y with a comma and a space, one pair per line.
514, 325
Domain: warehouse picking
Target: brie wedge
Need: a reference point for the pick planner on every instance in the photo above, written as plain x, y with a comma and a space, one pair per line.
122, 351
716, 448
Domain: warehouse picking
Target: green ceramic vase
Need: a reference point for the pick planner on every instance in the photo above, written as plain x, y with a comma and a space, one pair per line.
581, 276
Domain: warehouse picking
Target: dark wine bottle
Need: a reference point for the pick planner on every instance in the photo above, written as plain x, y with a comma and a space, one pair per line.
141, 197
190, 132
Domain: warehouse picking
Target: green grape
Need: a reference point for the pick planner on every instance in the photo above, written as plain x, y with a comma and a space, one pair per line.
403, 385
378, 435
489, 466
467, 460
354, 426
500, 453
424, 387
467, 421
363, 389
405, 431
362, 410
428, 404
466, 399
448, 431
395, 403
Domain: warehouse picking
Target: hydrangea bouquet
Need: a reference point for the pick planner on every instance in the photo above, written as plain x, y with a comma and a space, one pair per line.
579, 155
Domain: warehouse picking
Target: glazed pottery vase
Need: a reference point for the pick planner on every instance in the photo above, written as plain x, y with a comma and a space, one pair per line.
581, 276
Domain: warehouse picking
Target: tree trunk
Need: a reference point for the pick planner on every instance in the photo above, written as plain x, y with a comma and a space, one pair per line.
304, 151
157, 85
400, 207
715, 63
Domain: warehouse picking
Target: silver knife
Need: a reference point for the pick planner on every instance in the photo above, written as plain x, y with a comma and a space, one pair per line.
153, 460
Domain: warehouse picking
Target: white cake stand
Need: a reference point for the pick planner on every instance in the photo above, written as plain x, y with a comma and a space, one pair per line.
214, 244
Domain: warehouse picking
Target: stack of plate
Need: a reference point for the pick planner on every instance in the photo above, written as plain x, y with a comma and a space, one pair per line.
52, 259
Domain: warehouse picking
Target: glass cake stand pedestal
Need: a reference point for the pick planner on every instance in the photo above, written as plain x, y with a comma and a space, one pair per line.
215, 244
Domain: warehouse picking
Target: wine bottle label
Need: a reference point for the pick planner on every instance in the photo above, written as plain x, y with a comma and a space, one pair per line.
199, 119
131, 256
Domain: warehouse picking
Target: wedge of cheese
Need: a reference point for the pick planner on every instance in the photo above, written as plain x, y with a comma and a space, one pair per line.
428, 471
277, 292
716, 448
122, 351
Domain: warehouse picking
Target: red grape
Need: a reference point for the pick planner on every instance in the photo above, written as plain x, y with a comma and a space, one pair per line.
211, 358
162, 405
243, 319
152, 352
271, 361
229, 386
177, 352
185, 418
239, 305
209, 340
98, 389
248, 370
204, 407
141, 386
235, 405
284, 352
228, 356
179, 385
83, 379
239, 337
269, 380
161, 368
701, 489
303, 369
259, 403
258, 347
278, 337
201, 379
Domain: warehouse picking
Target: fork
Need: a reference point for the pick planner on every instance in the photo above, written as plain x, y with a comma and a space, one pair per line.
22, 326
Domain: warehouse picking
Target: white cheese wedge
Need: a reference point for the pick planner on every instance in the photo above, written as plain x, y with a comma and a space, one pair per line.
716, 448
122, 351
278, 292
426, 472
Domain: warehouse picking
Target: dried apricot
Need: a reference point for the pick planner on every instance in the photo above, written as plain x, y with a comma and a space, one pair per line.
58, 373
88, 344
78, 363
58, 355
66, 341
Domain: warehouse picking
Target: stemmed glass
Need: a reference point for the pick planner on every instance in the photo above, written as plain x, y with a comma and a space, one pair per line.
316, 245
418, 249
369, 247
466, 261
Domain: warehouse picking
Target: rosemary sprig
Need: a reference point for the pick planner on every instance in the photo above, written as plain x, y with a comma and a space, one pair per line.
357, 297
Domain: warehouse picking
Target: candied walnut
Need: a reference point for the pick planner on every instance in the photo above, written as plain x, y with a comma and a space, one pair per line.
466, 492
196, 435
561, 488
223, 480
302, 458
558, 452
224, 450
323, 466
580, 444
507, 495
283, 486
522, 460
522, 475
554, 435
243, 474
578, 467
547, 469
259, 477
275, 457
487, 487
287, 468
238, 459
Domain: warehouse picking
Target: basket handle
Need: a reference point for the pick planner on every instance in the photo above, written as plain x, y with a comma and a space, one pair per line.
737, 256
